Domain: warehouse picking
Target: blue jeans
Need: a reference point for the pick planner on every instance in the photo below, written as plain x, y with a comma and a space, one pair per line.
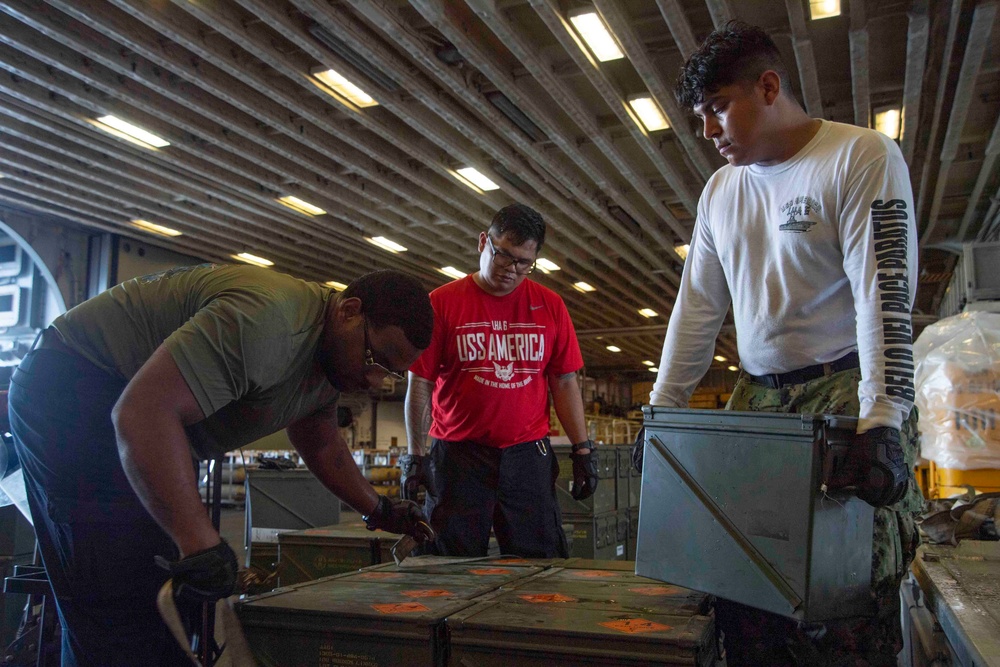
96, 539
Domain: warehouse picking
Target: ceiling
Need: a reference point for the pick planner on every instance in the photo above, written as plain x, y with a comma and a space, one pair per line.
501, 85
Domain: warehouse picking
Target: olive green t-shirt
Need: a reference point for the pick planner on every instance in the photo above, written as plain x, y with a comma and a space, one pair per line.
244, 338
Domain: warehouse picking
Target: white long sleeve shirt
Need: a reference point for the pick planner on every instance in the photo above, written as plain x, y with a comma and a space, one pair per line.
818, 256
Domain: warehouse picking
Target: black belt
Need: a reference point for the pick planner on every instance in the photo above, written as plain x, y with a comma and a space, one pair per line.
798, 376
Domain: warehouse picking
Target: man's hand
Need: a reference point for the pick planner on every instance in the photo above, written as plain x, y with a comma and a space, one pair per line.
204, 576
401, 517
879, 470
413, 475
585, 475
639, 449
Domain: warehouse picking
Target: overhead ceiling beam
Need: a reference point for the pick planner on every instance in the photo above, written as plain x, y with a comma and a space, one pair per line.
986, 173
858, 38
802, 46
917, 38
721, 11
680, 27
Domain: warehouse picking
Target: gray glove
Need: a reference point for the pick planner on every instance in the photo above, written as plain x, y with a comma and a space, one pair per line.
413, 475
585, 474
878, 468
400, 517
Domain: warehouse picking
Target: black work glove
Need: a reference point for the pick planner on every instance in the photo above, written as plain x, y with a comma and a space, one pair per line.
639, 449
413, 475
204, 576
878, 468
585, 476
400, 517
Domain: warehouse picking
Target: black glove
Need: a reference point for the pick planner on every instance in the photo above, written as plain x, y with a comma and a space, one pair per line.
399, 516
413, 475
878, 468
204, 576
639, 449
585, 475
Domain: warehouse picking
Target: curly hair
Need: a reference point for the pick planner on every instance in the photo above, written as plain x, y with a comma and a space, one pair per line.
735, 53
521, 223
394, 298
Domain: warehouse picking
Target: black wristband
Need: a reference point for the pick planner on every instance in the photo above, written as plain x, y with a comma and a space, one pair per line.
586, 444
377, 516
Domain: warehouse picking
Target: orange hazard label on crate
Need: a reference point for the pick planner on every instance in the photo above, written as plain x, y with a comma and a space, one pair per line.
380, 575
656, 590
593, 574
539, 598
430, 593
635, 625
400, 607
511, 561
486, 571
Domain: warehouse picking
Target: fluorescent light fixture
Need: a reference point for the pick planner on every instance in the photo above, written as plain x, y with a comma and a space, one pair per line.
300, 205
584, 287
476, 178
648, 312
154, 228
734, 368
889, 121
647, 362
546, 265
653, 369
823, 9
129, 132
385, 244
253, 259
452, 272
592, 30
683, 250
719, 357
648, 111
613, 348
344, 88
340, 287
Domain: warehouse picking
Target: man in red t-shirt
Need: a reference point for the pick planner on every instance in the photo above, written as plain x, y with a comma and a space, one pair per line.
501, 343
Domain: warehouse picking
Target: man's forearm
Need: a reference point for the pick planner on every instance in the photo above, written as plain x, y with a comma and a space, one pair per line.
568, 402
417, 413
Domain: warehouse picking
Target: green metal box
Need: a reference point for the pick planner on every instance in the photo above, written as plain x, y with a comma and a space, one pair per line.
633, 532
623, 475
594, 536
603, 499
310, 554
733, 504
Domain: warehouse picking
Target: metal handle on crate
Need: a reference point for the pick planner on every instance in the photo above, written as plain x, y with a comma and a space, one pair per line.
734, 532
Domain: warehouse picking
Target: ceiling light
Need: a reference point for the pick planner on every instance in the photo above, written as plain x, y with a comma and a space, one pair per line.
129, 132
253, 259
335, 82
546, 265
597, 36
340, 287
385, 244
653, 369
648, 312
734, 368
613, 348
584, 287
452, 272
648, 112
682, 250
888, 121
300, 205
154, 228
648, 362
470, 175
719, 357
823, 9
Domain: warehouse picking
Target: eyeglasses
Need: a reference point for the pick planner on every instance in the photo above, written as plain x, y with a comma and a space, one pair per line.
370, 358
504, 260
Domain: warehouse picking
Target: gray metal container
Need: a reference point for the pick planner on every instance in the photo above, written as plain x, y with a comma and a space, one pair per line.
594, 536
732, 506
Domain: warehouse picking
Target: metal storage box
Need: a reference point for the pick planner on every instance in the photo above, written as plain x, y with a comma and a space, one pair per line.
278, 500
304, 555
594, 536
622, 476
731, 505
603, 499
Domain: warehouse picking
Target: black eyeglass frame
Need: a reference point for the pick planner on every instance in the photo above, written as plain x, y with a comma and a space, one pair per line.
370, 357
508, 260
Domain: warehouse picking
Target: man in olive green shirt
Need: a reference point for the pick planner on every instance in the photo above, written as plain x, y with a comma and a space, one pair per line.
125, 389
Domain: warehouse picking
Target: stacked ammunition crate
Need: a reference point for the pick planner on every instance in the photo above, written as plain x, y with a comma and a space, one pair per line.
600, 527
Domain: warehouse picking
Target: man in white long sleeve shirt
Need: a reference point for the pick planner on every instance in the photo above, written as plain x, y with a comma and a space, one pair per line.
809, 233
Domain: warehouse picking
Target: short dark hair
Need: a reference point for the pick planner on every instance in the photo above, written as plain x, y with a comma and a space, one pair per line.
394, 298
737, 52
522, 223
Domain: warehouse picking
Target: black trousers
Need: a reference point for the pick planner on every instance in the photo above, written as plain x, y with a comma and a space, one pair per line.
473, 488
